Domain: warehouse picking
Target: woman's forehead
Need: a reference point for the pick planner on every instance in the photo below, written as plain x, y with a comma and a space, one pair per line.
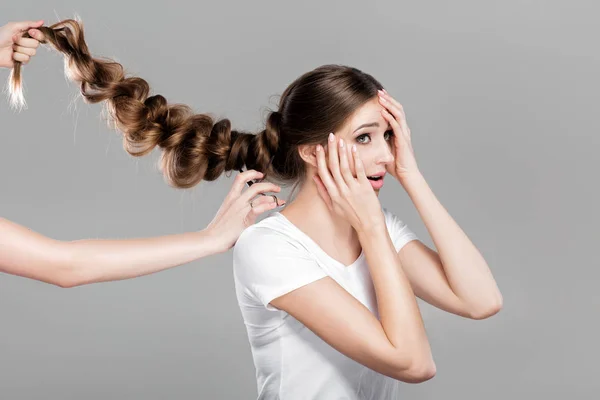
368, 113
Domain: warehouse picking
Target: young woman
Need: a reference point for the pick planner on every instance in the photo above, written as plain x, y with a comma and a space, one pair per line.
67, 264
327, 287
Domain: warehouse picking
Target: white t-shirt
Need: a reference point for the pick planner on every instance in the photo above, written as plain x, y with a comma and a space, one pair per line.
274, 257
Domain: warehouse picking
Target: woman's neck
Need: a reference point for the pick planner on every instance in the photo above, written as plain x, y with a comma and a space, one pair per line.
334, 234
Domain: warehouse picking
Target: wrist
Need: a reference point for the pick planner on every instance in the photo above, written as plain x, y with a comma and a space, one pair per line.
373, 225
376, 233
408, 178
211, 242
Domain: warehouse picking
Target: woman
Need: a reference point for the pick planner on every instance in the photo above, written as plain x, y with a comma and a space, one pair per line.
67, 264
327, 288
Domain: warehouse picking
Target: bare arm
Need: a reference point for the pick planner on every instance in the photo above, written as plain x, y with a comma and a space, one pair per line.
457, 279
397, 344
67, 264
469, 283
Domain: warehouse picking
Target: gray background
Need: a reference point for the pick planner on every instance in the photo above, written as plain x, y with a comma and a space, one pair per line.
501, 98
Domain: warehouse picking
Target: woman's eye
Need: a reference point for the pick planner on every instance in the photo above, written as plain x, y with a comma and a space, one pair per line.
388, 134
364, 138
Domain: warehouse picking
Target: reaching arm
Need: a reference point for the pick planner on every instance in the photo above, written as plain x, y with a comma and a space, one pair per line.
67, 264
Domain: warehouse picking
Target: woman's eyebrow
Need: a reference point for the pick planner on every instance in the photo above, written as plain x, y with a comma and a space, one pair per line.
367, 125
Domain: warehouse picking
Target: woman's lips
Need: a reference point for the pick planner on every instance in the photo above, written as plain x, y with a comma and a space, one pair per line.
377, 184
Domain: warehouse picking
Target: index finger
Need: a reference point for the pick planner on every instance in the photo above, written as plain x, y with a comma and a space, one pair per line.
323, 172
26, 42
24, 25
243, 178
259, 188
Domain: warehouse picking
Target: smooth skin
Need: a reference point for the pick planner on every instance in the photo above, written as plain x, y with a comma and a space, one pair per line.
14, 47
26, 253
348, 219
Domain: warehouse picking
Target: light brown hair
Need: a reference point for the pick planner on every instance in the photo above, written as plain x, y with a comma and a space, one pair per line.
196, 147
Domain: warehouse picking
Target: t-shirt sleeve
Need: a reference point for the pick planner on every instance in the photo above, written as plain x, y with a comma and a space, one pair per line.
400, 233
267, 264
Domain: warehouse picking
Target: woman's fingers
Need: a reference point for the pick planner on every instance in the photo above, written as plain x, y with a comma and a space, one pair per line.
397, 110
398, 131
24, 25
262, 200
259, 207
351, 159
37, 34
334, 161
27, 42
394, 105
257, 189
24, 50
359, 167
240, 181
324, 173
344, 164
24, 58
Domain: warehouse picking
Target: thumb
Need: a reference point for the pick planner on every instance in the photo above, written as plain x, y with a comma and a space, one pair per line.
24, 25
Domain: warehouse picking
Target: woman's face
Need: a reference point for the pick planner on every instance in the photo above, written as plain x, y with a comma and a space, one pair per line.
373, 136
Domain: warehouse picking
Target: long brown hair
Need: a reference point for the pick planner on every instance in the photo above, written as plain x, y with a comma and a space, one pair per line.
195, 146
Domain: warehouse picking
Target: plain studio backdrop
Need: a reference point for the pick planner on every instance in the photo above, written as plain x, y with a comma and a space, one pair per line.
501, 98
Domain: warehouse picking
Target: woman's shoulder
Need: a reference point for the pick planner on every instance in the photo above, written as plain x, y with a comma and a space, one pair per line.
391, 218
271, 233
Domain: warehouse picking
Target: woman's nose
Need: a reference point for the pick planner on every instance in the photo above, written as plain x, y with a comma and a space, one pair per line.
386, 156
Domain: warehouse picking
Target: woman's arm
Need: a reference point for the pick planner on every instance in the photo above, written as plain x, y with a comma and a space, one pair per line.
397, 344
67, 264
457, 279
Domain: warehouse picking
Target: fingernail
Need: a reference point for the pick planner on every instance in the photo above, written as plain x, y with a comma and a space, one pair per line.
331, 137
341, 142
384, 91
318, 147
383, 100
354, 148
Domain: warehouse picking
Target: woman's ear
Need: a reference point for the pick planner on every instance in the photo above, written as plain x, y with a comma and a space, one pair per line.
308, 152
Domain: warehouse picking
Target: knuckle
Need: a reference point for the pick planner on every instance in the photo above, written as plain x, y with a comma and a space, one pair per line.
239, 178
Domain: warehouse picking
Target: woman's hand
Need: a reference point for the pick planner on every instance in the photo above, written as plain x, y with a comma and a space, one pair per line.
14, 47
240, 210
405, 164
348, 195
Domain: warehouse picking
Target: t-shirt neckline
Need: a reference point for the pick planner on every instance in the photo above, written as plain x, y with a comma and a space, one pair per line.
317, 247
